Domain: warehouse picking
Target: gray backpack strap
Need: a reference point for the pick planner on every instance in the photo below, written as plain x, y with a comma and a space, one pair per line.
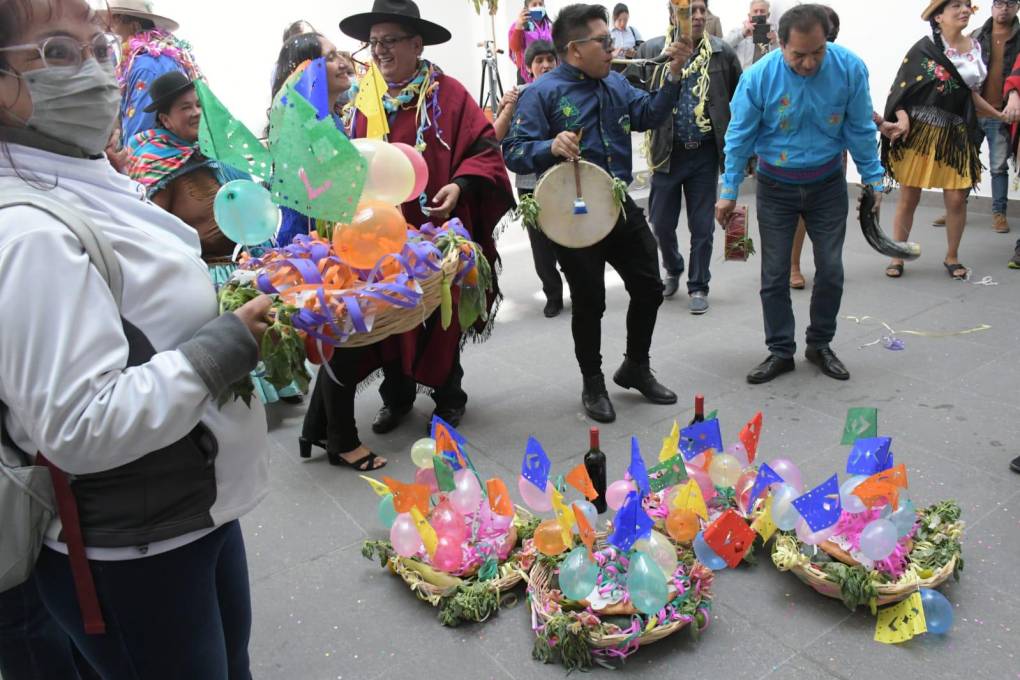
97, 246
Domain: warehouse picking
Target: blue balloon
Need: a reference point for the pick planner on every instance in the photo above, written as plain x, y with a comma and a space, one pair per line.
387, 512
578, 574
706, 555
938, 612
647, 586
784, 512
588, 510
904, 518
245, 212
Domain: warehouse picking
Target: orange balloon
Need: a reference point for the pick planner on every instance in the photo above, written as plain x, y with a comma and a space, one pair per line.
682, 525
549, 538
377, 229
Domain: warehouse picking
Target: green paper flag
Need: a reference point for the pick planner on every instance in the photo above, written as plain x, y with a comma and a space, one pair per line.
861, 423
317, 171
667, 473
713, 415
444, 475
226, 139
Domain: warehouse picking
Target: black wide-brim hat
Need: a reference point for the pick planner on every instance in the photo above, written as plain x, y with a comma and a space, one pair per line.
405, 12
166, 88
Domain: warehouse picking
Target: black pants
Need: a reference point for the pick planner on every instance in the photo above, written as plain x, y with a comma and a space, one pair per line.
630, 249
543, 251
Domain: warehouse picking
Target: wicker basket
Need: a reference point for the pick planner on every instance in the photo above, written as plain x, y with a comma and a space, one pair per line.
391, 320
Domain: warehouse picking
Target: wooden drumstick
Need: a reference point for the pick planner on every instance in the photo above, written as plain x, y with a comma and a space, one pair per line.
580, 206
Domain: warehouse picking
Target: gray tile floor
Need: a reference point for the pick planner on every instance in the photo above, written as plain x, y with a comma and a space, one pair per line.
951, 404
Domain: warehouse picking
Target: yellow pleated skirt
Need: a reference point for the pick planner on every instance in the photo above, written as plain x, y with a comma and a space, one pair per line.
921, 170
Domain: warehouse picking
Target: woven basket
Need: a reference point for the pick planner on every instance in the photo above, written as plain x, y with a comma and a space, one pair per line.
392, 320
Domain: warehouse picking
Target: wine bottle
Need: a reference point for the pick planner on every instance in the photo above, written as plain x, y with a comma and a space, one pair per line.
699, 409
595, 463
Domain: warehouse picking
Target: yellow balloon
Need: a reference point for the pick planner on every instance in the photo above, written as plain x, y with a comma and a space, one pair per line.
422, 452
391, 177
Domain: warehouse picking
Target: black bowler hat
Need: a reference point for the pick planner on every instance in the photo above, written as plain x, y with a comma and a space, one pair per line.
166, 88
403, 12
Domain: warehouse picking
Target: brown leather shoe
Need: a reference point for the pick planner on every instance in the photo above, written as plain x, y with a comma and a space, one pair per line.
939, 221
999, 223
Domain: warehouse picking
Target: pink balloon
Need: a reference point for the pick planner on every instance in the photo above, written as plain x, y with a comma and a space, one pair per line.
538, 501
743, 489
805, 534
404, 536
617, 493
467, 494
739, 452
449, 555
421, 169
704, 481
427, 476
448, 522
790, 473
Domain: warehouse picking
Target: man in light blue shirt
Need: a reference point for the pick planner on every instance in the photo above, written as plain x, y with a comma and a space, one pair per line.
798, 110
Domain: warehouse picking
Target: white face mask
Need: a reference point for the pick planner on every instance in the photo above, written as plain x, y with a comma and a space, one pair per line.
75, 105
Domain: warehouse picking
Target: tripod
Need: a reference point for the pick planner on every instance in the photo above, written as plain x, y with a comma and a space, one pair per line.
492, 86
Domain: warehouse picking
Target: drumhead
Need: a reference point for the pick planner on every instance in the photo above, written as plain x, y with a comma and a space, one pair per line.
556, 193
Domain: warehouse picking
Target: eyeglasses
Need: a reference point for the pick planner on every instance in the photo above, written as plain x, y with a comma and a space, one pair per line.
388, 43
63, 50
605, 40
1012, 4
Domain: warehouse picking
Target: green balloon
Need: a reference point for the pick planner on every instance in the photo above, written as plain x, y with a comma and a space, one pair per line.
578, 574
646, 584
387, 513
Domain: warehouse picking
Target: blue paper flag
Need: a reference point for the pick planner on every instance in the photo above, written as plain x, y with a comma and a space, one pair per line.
314, 87
638, 471
700, 437
631, 523
459, 440
766, 478
870, 456
821, 507
536, 465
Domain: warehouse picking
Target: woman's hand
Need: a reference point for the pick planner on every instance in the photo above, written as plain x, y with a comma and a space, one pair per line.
900, 129
255, 315
523, 18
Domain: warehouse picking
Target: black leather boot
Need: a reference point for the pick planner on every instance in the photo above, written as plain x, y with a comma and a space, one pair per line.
633, 375
596, 399
389, 417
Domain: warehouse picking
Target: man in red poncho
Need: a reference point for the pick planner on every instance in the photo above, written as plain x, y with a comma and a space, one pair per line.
467, 180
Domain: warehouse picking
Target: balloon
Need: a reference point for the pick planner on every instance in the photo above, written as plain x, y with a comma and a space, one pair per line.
706, 555
805, 534
743, 489
708, 491
725, 470
784, 512
467, 493
387, 513
646, 584
659, 549
851, 502
682, 525
588, 510
878, 539
539, 501
404, 536
422, 452
390, 177
427, 477
449, 554
377, 229
904, 518
549, 538
448, 522
578, 574
617, 493
938, 611
789, 472
740, 453
245, 212
420, 167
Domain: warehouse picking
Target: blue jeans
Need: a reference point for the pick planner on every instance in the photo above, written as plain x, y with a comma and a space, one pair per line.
182, 614
694, 174
997, 135
824, 206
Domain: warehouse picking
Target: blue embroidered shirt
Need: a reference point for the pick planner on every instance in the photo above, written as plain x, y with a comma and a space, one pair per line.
794, 122
685, 126
607, 111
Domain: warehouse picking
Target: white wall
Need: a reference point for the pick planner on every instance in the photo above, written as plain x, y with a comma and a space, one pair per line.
236, 43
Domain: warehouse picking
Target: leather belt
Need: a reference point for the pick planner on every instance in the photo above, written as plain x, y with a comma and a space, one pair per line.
688, 146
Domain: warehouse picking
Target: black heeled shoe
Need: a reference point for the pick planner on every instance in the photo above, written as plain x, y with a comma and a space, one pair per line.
305, 446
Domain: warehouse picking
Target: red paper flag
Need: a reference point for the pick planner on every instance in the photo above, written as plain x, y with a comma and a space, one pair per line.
730, 537
580, 480
750, 435
407, 496
499, 497
586, 531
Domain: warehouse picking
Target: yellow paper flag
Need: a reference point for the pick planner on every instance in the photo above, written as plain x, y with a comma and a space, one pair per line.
671, 444
425, 530
901, 622
764, 524
689, 498
369, 102
564, 515
377, 486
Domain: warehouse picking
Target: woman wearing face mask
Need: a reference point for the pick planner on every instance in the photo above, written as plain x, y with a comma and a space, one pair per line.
532, 24
120, 397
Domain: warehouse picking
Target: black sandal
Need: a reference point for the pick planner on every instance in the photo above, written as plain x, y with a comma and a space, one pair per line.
956, 271
363, 464
894, 271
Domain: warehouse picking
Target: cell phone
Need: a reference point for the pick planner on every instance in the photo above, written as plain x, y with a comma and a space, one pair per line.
761, 32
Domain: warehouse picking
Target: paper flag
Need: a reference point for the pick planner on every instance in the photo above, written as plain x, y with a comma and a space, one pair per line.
671, 444
226, 139
821, 506
860, 423
766, 478
449, 449
901, 622
638, 471
377, 486
499, 497
313, 86
764, 524
407, 496
667, 473
564, 515
536, 465
870, 456
369, 102
750, 435
581, 480
631, 523
700, 437
458, 459
712, 415
316, 169
425, 530
883, 487
585, 530
730, 537
689, 497
444, 474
